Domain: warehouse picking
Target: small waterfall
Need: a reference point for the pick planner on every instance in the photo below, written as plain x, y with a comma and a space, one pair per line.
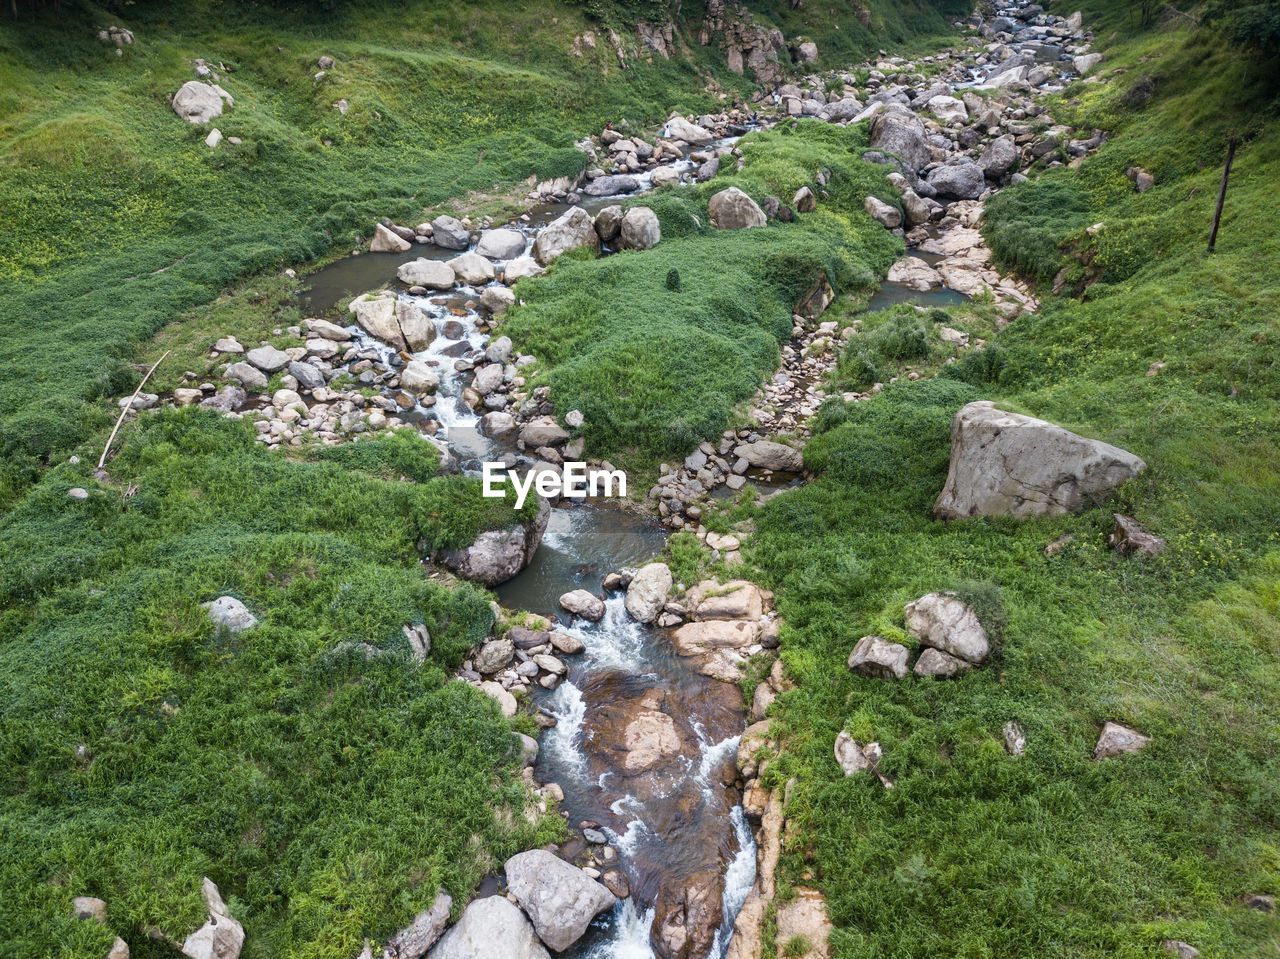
630, 939
738, 880
616, 642
561, 741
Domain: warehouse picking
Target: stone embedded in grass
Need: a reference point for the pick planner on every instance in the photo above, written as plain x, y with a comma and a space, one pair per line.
1183, 950
1008, 464
230, 615
89, 908
221, 937
490, 927
945, 622
1015, 740
734, 600
803, 926
433, 274
640, 229
732, 209
1116, 739
497, 555
198, 102
854, 757
609, 223
804, 201
572, 230
497, 300
580, 602
935, 664
506, 702
559, 898
268, 359
878, 658
766, 454
1129, 538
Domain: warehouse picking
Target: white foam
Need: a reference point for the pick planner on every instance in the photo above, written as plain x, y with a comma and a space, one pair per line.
738, 880
562, 742
630, 939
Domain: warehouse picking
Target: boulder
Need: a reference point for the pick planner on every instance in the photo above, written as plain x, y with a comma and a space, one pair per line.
1086, 63
936, 664
807, 52
449, 233
229, 615
433, 274
247, 375
732, 209
678, 128
327, 330
221, 937
198, 102
947, 108
490, 928
580, 602
648, 592
640, 229
913, 272
498, 425
494, 656
736, 599
559, 898
308, 376
385, 241
506, 702
688, 912
946, 622
1007, 464
376, 314
854, 757
649, 740
766, 454
961, 181
877, 657
497, 555
472, 268
268, 359
1116, 740
501, 244
999, 157
611, 185
609, 223
571, 231
414, 940
497, 299
696, 639
519, 268
804, 201
888, 216
898, 131
543, 431
416, 328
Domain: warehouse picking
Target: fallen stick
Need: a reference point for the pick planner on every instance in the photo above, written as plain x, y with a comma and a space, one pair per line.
127, 407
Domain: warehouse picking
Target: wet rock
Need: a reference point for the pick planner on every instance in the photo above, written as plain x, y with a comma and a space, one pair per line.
945, 622
501, 244
471, 268
732, 209
221, 937
579, 602
878, 658
686, 916
376, 314
559, 898
1129, 538
198, 102
229, 615
416, 329
854, 757
640, 229
489, 928
433, 274
449, 233
616, 882
649, 591
611, 185
766, 454
571, 231
414, 940
419, 377
386, 241
1007, 464
1116, 740
936, 664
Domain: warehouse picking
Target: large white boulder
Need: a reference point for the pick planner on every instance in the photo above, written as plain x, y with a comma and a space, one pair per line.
640, 229
488, 929
1007, 464
497, 555
943, 621
501, 244
732, 209
198, 102
766, 454
898, 131
648, 591
387, 241
678, 128
433, 274
573, 230
558, 897
472, 268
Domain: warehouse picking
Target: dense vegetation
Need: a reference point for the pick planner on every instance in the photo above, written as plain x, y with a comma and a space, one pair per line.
975, 853
657, 369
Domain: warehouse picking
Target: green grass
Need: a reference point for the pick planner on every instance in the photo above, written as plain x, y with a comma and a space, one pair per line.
654, 369
975, 853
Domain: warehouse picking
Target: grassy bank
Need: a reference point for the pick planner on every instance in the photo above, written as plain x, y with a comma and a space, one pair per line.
658, 348
1170, 353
